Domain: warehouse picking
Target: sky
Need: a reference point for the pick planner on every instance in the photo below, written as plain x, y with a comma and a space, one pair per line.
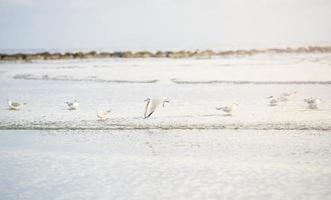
163, 24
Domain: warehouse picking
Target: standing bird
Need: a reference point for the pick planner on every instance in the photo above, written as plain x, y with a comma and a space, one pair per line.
72, 105
14, 105
103, 115
228, 109
152, 104
313, 103
274, 101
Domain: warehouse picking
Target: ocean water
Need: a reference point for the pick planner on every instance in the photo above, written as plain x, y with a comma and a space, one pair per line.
185, 150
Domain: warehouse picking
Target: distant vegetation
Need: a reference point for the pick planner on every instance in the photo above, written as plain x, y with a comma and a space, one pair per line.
158, 54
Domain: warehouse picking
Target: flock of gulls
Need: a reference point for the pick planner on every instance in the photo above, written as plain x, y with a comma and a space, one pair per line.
153, 103
313, 103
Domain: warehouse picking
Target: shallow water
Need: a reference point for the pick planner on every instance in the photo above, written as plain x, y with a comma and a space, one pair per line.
178, 164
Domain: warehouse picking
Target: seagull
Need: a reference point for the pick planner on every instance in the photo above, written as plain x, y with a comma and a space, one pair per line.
273, 101
103, 115
152, 104
14, 105
284, 97
72, 105
313, 103
228, 109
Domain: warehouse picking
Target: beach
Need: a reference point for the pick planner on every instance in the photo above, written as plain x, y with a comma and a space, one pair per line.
186, 149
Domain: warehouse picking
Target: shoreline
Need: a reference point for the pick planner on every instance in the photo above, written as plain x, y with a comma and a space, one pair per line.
159, 54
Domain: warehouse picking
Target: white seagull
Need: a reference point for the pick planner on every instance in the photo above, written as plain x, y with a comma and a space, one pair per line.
284, 97
152, 104
313, 103
103, 115
274, 101
72, 105
14, 105
228, 109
